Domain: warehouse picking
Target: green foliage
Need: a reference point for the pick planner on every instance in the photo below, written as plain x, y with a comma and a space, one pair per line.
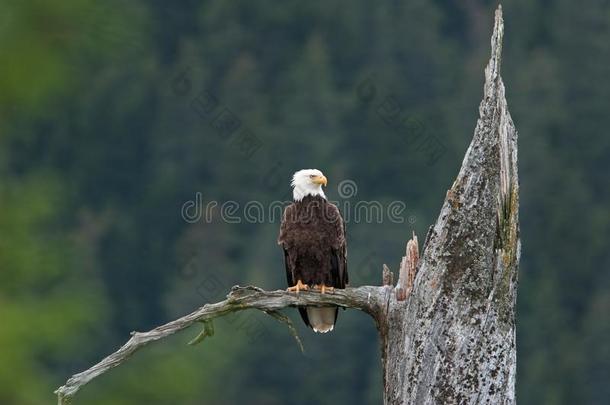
46, 300
45, 43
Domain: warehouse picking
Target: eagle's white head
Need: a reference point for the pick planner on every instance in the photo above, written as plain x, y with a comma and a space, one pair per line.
307, 182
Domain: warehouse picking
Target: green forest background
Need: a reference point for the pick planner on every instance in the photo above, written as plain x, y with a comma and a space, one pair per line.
113, 115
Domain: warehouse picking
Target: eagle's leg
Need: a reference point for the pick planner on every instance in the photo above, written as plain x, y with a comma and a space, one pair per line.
298, 287
323, 288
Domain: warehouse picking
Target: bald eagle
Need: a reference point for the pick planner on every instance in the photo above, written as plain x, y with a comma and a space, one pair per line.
312, 235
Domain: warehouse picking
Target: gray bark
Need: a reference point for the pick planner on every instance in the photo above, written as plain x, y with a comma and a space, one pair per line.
448, 326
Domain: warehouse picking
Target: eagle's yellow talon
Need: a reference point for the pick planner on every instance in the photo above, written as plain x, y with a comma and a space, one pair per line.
298, 287
323, 288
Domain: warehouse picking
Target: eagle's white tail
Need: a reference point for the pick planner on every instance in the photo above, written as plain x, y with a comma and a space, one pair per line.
322, 319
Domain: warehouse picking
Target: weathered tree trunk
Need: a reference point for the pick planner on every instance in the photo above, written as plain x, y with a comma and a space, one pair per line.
453, 339
448, 327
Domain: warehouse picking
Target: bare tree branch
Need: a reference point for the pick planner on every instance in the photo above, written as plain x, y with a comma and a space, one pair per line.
284, 319
368, 299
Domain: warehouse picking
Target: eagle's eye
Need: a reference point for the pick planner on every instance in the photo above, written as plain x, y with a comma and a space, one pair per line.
311, 176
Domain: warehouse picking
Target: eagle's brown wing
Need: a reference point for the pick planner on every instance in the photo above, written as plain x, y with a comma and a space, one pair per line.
281, 240
338, 247
290, 262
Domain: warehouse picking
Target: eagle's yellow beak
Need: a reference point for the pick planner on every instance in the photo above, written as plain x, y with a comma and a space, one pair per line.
319, 180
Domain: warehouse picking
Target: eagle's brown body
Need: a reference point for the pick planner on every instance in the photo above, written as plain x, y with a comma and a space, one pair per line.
312, 235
